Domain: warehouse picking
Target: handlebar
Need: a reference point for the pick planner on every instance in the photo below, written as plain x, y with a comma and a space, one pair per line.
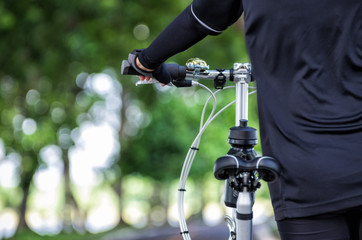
183, 76
177, 72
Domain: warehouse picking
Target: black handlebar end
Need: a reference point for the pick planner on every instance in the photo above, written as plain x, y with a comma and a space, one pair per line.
127, 69
176, 71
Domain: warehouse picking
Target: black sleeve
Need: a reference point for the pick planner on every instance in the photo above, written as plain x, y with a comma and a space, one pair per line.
216, 15
201, 18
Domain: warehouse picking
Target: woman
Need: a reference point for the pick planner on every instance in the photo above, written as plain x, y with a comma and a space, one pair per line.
307, 60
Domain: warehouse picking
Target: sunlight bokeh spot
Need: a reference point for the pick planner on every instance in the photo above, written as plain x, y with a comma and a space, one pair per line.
8, 173
58, 114
212, 214
103, 217
141, 32
29, 126
45, 222
51, 155
32, 97
81, 79
2, 149
48, 178
18, 122
8, 222
158, 216
135, 214
102, 83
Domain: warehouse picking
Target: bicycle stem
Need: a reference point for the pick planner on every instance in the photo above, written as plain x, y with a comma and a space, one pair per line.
242, 92
241, 105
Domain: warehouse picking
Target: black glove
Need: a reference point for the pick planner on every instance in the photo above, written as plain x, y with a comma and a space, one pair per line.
160, 73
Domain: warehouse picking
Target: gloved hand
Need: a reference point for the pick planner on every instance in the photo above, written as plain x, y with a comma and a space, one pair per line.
160, 73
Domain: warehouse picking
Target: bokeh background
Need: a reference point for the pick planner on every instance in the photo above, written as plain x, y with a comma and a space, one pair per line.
84, 153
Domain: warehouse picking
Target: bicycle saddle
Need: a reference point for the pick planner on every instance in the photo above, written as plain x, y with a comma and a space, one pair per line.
267, 167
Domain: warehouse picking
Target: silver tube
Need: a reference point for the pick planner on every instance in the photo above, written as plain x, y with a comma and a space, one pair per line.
241, 111
244, 206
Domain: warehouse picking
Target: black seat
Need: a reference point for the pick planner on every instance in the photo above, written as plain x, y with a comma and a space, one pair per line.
268, 168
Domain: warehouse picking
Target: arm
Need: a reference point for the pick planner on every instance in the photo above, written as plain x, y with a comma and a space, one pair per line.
201, 18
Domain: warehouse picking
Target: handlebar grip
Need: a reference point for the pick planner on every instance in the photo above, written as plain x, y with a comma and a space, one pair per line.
127, 69
176, 71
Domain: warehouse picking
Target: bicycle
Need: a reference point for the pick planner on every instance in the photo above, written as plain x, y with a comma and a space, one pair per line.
240, 168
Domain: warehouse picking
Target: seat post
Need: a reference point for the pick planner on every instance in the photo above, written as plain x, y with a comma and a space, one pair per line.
244, 212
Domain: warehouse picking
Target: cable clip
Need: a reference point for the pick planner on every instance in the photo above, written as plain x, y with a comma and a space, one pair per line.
220, 79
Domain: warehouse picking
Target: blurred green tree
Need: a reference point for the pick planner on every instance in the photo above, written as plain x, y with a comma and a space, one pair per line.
46, 44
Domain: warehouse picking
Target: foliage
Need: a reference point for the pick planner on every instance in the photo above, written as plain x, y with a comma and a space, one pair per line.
45, 45
29, 235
